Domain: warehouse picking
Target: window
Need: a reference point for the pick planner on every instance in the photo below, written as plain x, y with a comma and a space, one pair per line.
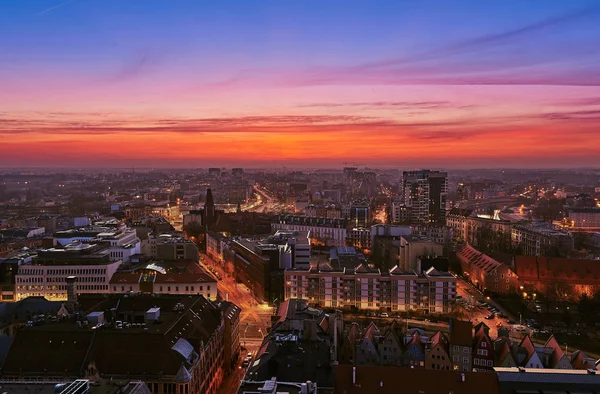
456, 359
466, 350
176, 288
456, 348
161, 288
465, 360
168, 288
490, 363
483, 344
187, 288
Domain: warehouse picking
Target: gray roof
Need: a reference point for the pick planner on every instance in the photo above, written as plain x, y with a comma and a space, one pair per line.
548, 376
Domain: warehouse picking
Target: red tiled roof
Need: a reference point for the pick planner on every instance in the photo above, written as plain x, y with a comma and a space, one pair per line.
557, 354
528, 346
470, 255
125, 278
183, 278
504, 352
557, 268
371, 331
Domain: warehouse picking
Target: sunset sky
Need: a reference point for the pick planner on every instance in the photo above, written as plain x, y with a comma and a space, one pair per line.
192, 83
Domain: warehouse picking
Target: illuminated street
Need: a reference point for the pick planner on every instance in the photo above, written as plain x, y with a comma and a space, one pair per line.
477, 313
254, 319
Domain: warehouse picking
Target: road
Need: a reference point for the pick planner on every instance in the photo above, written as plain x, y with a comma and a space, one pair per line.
254, 318
477, 313
268, 203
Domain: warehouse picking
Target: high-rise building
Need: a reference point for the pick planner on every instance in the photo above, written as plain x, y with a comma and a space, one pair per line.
425, 195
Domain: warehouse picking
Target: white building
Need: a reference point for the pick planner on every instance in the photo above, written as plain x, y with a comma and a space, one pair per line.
165, 283
46, 275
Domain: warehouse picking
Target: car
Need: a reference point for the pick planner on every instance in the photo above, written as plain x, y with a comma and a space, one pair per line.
249, 355
489, 317
384, 315
245, 363
370, 313
511, 321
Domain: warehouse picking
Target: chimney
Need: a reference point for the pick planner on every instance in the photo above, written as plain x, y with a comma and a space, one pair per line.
71, 292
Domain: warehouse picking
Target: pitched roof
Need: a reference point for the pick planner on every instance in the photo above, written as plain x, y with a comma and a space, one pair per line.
47, 352
579, 360
124, 278
416, 340
470, 255
183, 278
371, 331
504, 352
526, 346
440, 339
557, 268
557, 354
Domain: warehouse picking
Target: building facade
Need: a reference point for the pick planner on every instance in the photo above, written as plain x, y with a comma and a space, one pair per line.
540, 239
329, 232
425, 194
369, 289
46, 275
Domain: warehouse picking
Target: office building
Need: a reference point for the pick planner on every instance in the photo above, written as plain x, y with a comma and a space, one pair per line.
46, 274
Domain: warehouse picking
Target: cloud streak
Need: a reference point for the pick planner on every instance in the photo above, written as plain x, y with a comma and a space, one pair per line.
64, 3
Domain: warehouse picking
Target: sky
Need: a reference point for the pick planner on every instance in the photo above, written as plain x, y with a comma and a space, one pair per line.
305, 83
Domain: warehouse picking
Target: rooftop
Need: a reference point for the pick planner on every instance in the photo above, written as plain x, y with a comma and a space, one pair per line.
63, 348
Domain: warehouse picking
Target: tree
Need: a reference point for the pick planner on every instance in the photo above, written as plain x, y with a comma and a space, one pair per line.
196, 231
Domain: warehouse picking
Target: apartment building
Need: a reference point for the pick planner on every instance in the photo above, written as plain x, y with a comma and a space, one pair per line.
541, 239
467, 228
371, 289
584, 218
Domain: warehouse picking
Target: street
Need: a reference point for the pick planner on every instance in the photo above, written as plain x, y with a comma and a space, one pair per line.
254, 319
477, 313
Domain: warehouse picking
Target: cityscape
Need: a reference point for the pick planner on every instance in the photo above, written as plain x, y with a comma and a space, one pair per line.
248, 197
